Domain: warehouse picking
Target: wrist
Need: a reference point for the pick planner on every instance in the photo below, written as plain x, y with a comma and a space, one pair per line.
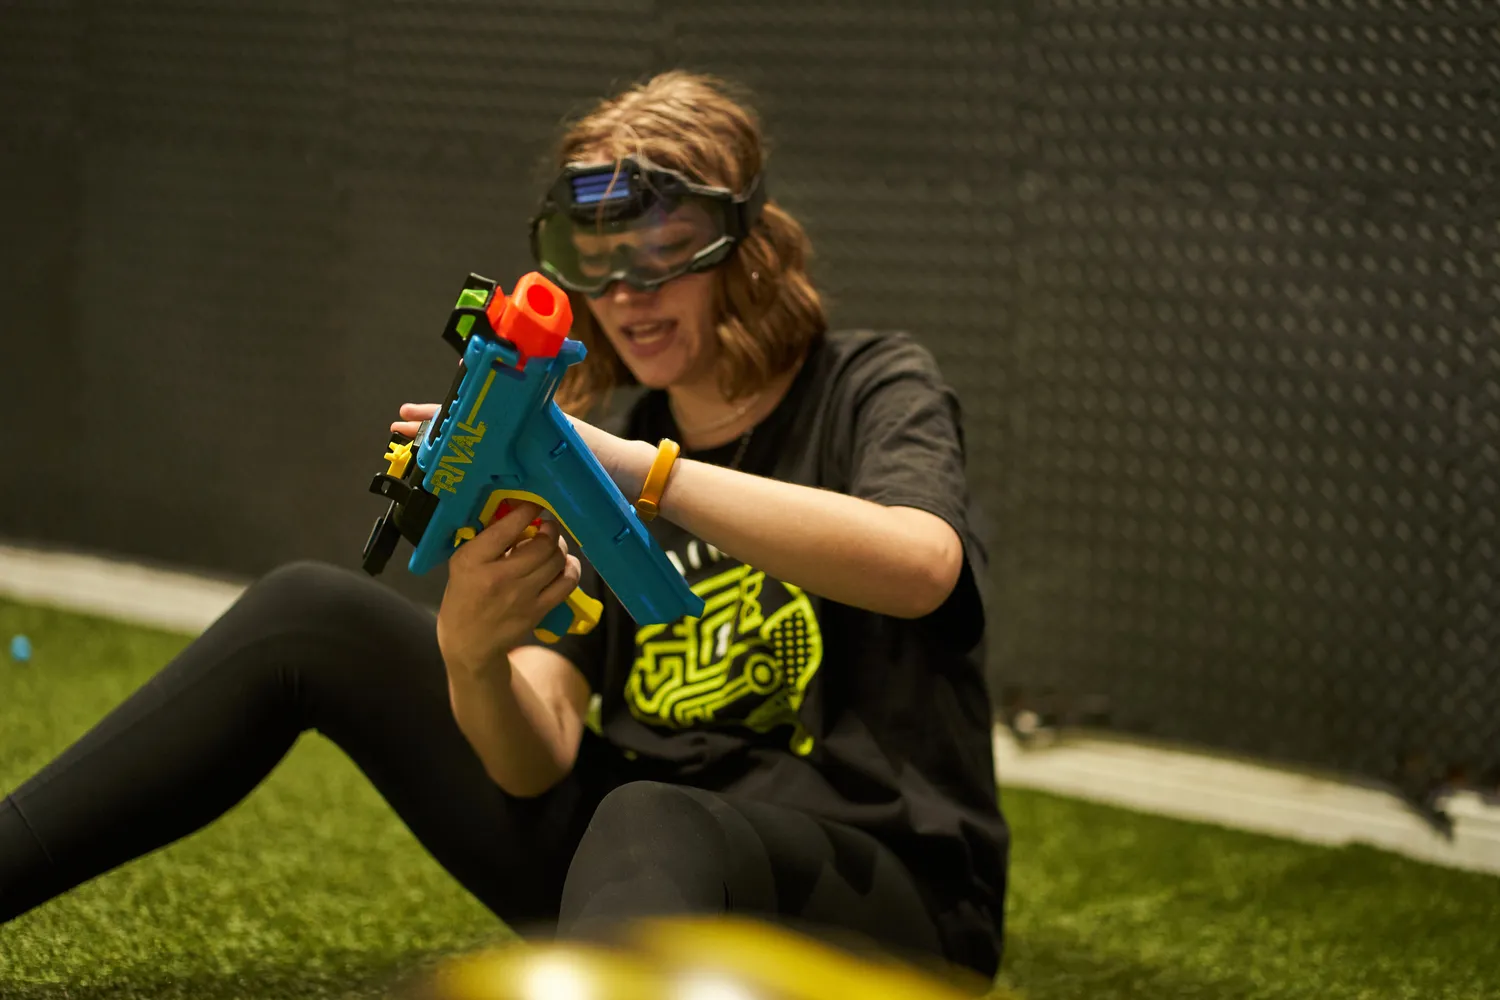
635, 464
480, 669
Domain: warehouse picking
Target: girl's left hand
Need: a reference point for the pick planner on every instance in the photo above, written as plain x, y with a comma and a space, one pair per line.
622, 459
412, 415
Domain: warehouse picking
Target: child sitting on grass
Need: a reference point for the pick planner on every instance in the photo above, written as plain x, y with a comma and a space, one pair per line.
815, 748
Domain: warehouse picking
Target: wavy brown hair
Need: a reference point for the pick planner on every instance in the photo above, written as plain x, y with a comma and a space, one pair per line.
767, 310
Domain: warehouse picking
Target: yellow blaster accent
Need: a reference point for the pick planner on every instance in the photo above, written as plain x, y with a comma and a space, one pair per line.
586, 610
399, 455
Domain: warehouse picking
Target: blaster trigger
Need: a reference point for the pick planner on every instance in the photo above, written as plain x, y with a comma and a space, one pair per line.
506, 508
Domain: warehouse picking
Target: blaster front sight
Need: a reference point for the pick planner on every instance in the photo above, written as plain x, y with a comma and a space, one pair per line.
500, 438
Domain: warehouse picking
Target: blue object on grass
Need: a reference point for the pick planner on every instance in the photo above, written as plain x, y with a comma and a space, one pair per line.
20, 649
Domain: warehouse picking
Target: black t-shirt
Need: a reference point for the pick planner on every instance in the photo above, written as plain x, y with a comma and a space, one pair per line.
787, 697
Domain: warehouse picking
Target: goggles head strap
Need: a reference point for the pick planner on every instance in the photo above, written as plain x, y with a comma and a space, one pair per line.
747, 207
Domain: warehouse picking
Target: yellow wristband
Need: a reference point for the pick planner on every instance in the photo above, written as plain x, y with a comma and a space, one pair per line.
656, 480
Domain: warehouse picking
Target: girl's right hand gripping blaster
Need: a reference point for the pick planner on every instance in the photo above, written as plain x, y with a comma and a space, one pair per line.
500, 438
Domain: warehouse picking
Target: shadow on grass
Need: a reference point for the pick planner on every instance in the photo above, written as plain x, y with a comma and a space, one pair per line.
397, 981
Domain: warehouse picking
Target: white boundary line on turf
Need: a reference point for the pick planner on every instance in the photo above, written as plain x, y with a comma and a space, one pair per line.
1171, 782
181, 602
1250, 796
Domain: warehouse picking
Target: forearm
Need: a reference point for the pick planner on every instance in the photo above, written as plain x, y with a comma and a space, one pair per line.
891, 560
525, 746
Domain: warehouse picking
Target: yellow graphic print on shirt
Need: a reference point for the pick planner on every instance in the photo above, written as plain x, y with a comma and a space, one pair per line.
747, 662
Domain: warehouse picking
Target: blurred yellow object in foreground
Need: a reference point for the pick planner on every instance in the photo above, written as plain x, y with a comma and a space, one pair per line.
717, 958
551, 971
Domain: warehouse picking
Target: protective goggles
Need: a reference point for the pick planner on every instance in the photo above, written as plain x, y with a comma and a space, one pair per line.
635, 222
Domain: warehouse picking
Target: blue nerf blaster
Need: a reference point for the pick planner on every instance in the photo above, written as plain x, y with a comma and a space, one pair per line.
499, 439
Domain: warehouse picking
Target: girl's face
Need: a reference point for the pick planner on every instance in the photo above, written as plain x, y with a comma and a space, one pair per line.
666, 337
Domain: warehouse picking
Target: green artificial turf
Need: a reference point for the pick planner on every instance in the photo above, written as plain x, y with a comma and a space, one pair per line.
312, 888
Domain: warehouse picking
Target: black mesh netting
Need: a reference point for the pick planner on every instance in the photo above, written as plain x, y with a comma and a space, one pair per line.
1216, 280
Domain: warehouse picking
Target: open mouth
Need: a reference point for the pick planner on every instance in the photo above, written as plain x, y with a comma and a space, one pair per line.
645, 334
649, 337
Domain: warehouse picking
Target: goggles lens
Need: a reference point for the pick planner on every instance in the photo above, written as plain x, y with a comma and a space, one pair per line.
644, 251
604, 224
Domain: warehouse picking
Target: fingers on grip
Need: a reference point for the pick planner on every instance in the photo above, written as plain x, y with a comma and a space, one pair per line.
562, 584
505, 531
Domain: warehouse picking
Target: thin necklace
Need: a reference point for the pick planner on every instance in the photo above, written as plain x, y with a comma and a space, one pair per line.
706, 428
740, 451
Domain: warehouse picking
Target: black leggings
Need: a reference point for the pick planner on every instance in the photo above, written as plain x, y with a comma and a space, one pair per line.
314, 647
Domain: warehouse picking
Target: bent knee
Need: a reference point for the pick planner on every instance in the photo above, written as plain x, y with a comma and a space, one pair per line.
668, 848
308, 591
301, 574
654, 815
